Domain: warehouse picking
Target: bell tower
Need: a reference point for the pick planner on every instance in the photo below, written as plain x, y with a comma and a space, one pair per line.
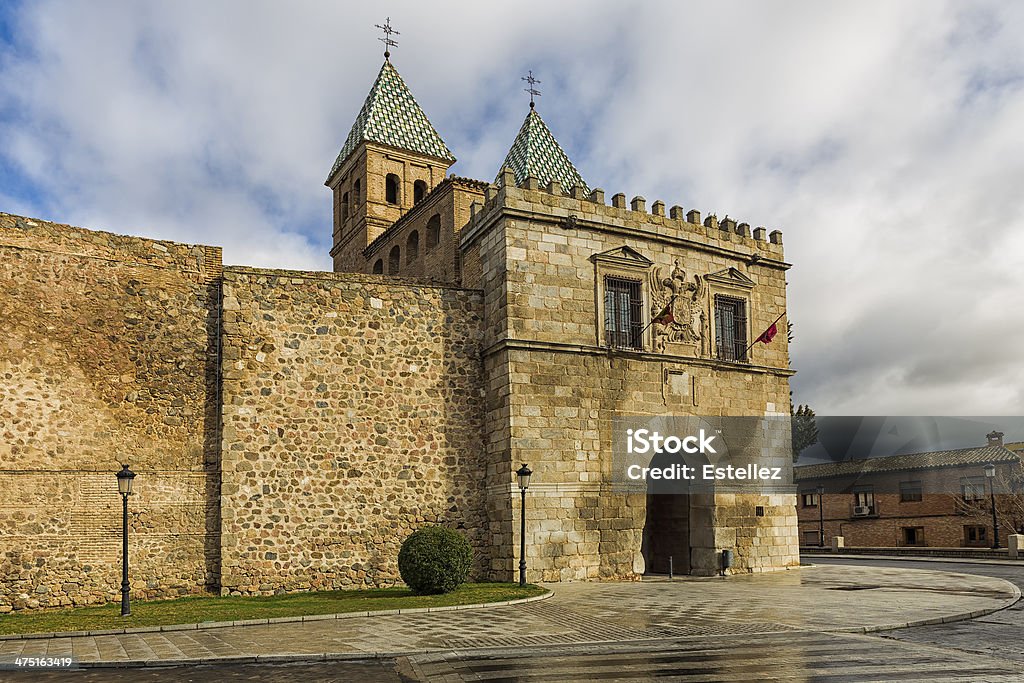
393, 157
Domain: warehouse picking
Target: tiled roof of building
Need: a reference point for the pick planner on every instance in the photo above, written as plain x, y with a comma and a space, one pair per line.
536, 153
391, 116
910, 461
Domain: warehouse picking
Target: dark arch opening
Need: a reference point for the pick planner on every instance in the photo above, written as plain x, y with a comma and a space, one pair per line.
419, 191
391, 187
412, 247
378, 267
394, 260
433, 231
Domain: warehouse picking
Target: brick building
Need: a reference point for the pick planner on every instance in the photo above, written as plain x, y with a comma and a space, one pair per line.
937, 499
290, 429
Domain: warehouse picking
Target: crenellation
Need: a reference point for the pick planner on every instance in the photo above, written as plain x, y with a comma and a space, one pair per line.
597, 196
775, 237
693, 216
760, 234
578, 192
711, 222
530, 183
676, 213
554, 188
658, 208
619, 200
638, 204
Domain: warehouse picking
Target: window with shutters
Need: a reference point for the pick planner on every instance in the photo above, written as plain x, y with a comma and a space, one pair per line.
623, 313
731, 328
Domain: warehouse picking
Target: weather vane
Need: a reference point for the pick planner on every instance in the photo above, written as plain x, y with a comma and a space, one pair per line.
388, 32
533, 91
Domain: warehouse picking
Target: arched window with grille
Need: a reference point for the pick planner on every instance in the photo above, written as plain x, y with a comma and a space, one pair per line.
394, 260
391, 189
433, 231
412, 247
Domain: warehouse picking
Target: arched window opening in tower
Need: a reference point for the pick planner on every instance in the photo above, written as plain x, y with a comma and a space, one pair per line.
391, 189
419, 191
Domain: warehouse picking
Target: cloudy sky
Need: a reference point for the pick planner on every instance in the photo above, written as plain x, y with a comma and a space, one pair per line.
885, 139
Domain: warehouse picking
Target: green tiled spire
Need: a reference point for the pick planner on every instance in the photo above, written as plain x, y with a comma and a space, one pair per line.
391, 116
536, 152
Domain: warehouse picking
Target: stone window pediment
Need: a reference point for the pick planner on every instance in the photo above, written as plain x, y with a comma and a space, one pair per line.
731, 276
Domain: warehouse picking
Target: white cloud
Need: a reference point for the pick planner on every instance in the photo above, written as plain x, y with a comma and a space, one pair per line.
883, 138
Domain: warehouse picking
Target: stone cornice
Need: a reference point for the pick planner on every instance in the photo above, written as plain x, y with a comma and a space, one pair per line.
593, 350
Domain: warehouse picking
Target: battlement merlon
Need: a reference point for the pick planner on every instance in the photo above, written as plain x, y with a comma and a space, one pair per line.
573, 206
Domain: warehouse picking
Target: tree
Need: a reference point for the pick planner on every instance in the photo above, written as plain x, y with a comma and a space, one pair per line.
804, 427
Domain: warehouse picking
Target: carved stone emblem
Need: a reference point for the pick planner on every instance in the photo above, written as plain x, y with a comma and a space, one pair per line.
685, 297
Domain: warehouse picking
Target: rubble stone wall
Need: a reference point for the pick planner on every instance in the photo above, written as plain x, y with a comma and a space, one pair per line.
353, 414
108, 356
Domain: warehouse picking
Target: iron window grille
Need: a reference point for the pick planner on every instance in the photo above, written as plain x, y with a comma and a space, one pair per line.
623, 313
731, 328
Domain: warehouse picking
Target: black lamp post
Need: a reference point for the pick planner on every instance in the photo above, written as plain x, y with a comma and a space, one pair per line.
821, 516
124, 487
990, 472
523, 476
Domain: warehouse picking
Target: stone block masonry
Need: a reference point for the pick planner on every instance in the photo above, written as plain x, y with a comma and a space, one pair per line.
108, 356
352, 415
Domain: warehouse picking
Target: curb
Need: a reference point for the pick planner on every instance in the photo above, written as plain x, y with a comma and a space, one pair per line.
261, 622
967, 616
916, 558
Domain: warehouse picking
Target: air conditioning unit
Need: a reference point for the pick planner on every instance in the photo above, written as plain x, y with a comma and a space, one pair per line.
861, 510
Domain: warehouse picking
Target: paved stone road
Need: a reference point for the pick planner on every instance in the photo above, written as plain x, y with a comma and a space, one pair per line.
820, 598
772, 627
1000, 634
801, 656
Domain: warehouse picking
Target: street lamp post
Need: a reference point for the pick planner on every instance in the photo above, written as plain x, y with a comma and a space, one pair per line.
124, 487
990, 472
821, 516
523, 476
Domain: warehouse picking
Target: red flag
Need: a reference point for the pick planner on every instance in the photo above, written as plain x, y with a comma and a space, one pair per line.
769, 334
665, 317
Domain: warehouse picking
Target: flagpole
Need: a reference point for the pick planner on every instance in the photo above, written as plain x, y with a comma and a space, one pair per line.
762, 334
670, 302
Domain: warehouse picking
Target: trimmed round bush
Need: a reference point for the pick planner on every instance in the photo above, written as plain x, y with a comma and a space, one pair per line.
434, 560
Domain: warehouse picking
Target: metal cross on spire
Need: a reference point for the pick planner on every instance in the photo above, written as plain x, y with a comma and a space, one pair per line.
388, 32
533, 91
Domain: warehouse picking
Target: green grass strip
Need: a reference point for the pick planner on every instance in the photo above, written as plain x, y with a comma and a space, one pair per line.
199, 609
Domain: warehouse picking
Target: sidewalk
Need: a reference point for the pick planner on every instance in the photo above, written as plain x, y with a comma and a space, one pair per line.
821, 598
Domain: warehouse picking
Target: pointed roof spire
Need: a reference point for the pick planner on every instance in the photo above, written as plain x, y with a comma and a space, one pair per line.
391, 116
535, 152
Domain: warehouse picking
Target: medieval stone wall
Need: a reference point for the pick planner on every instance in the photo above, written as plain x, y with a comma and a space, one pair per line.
352, 416
108, 356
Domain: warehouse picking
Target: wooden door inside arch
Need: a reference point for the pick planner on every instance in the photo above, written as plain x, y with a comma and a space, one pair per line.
667, 533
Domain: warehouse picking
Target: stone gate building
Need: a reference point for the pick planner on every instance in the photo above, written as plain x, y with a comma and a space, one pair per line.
290, 428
